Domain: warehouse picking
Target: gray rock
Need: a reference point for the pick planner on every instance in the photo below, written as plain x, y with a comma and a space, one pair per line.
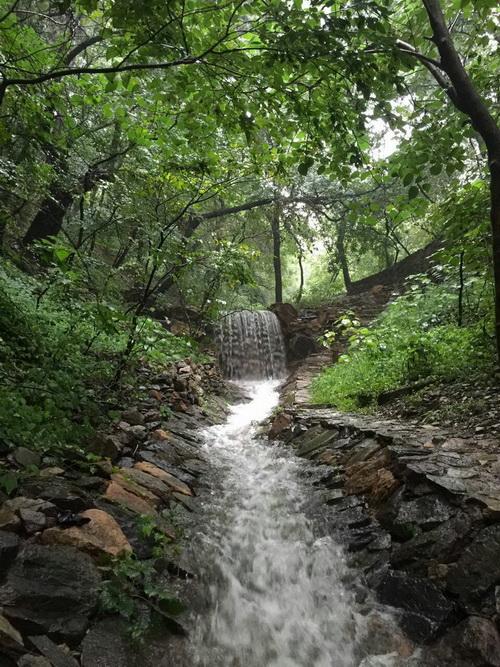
474, 642
61, 492
426, 611
9, 545
33, 661
104, 645
57, 656
33, 522
26, 457
134, 417
477, 569
52, 590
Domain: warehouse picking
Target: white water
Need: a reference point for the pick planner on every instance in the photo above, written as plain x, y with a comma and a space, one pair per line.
277, 596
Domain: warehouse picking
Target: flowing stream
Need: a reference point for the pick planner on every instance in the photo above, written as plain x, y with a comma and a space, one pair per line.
276, 591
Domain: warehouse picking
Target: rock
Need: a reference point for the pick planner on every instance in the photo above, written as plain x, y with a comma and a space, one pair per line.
142, 546
52, 590
153, 485
51, 472
300, 346
33, 661
104, 645
138, 432
9, 545
26, 457
60, 492
286, 314
8, 520
58, 656
169, 479
127, 477
101, 535
426, 610
159, 435
281, 422
134, 417
476, 570
107, 446
10, 638
117, 494
33, 522
475, 641
426, 512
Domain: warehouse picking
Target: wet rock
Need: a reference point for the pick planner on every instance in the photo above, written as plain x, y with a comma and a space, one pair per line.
476, 570
107, 446
26, 457
426, 610
100, 536
169, 479
104, 645
300, 346
426, 512
118, 494
142, 545
280, 423
10, 639
9, 545
52, 590
58, 656
474, 642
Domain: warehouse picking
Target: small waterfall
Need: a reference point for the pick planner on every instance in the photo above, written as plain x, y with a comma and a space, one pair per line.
251, 346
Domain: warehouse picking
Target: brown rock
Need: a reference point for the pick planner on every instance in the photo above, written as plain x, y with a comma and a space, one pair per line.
160, 434
134, 417
121, 496
157, 395
124, 479
280, 423
54, 471
101, 535
147, 482
9, 520
166, 477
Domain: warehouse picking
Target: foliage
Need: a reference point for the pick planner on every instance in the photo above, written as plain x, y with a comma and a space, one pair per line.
417, 337
58, 356
134, 588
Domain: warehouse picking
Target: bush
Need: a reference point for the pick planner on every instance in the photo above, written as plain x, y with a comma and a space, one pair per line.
417, 337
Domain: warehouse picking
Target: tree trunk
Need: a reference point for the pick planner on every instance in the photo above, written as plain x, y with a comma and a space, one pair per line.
343, 257
464, 95
48, 221
275, 229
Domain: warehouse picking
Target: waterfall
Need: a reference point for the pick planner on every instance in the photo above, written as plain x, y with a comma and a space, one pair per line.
251, 345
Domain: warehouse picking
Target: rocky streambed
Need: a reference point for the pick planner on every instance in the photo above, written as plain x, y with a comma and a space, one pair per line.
419, 514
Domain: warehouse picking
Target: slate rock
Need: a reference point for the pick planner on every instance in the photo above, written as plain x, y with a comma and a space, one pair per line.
51, 590
426, 610
57, 656
9, 546
60, 491
134, 417
26, 457
477, 569
104, 645
33, 661
474, 642
10, 639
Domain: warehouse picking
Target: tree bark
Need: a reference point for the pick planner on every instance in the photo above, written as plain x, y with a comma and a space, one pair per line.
343, 257
275, 230
464, 95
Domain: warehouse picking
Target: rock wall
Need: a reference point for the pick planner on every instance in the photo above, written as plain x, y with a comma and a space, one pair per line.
419, 513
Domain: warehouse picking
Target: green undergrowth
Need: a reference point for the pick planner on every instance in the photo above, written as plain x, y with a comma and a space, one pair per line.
417, 338
60, 349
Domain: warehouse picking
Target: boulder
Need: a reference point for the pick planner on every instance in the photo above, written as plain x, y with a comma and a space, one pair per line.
166, 477
59, 491
33, 522
286, 314
300, 346
118, 494
9, 520
474, 642
476, 571
33, 661
425, 610
104, 645
100, 536
281, 422
107, 446
134, 417
58, 656
26, 457
51, 590
9, 546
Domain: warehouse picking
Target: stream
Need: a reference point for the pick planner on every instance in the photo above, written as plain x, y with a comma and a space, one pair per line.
277, 594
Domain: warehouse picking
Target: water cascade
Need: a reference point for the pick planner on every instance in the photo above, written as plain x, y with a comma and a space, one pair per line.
251, 345
275, 589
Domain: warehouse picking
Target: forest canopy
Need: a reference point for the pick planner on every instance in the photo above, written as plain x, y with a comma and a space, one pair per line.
195, 156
